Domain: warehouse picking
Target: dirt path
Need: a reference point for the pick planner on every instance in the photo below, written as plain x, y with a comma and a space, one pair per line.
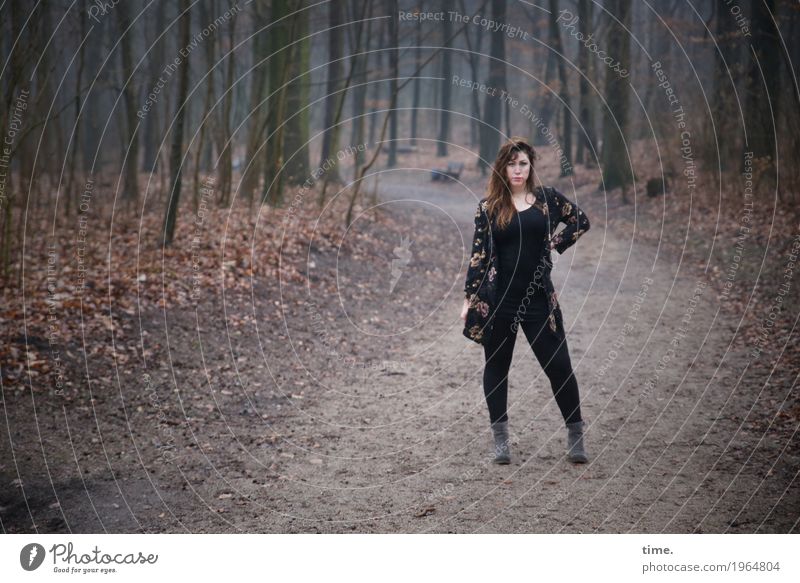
279, 432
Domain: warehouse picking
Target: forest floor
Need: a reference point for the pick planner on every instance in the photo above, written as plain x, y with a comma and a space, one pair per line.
348, 400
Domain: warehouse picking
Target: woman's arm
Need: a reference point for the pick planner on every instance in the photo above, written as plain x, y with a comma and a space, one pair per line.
576, 221
478, 254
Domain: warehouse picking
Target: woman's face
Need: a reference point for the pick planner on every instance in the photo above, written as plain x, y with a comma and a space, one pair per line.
518, 169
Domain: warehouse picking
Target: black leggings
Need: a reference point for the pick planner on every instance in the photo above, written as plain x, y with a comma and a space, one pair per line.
551, 352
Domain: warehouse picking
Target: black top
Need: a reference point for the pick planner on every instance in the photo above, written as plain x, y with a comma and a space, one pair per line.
481, 282
519, 249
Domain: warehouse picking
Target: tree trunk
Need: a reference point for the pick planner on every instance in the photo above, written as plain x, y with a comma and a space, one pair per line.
279, 41
297, 126
225, 145
338, 114
444, 106
723, 104
492, 106
415, 101
330, 137
616, 165
376, 87
566, 158
394, 65
16, 74
176, 151
152, 125
360, 91
70, 190
585, 153
207, 9
259, 90
763, 84
130, 94
547, 99
473, 52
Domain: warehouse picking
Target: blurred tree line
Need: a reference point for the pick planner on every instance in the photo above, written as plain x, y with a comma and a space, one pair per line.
145, 105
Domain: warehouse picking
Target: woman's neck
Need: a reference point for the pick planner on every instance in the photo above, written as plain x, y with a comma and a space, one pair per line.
523, 195
519, 192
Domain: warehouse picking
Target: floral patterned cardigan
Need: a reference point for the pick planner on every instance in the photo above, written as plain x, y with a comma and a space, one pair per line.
481, 282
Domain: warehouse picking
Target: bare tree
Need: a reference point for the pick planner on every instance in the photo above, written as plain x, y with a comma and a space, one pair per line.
763, 87
473, 54
206, 9
14, 79
415, 97
616, 165
563, 91
259, 89
284, 19
297, 130
153, 122
330, 137
340, 102
176, 151
224, 143
360, 90
492, 106
445, 105
586, 137
394, 88
377, 88
129, 92
76, 136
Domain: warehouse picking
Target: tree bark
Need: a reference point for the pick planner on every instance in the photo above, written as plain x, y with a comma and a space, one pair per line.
360, 91
474, 126
152, 125
207, 10
282, 35
566, 159
259, 90
585, 153
616, 166
394, 65
337, 118
70, 190
130, 94
415, 96
763, 87
492, 105
297, 126
225, 144
176, 150
330, 137
444, 106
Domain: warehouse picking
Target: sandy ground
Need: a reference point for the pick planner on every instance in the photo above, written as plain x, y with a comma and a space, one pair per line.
362, 411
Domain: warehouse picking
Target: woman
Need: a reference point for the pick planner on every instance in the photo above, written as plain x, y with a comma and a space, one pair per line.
508, 285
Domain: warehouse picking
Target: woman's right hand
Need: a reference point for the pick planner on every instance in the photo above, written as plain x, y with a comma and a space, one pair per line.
464, 309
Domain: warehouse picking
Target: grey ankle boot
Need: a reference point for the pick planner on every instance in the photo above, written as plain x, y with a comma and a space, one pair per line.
502, 454
575, 450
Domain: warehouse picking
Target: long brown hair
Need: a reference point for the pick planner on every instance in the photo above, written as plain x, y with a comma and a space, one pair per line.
499, 202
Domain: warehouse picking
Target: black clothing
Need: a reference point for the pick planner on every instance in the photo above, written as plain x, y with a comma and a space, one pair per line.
551, 351
498, 286
519, 250
480, 285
